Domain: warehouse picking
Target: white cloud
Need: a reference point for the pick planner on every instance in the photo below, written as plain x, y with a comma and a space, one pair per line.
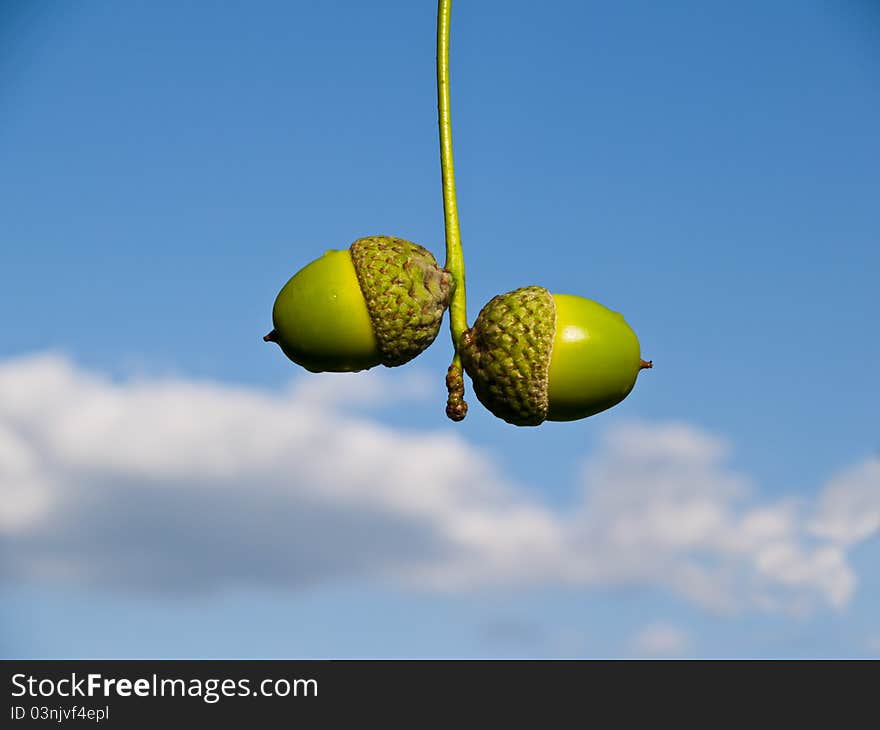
375, 387
173, 485
661, 640
849, 510
661, 505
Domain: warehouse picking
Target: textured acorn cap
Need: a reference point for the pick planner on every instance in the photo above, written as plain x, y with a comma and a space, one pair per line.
406, 292
507, 354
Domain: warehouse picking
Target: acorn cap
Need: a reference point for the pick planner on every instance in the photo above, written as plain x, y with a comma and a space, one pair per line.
406, 292
507, 354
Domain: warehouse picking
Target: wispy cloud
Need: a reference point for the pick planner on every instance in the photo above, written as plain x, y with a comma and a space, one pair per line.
849, 510
517, 637
181, 485
661, 640
661, 505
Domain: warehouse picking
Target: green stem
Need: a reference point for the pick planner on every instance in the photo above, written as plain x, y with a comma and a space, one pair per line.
455, 407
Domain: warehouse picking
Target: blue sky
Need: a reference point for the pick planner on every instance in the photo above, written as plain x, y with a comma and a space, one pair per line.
711, 170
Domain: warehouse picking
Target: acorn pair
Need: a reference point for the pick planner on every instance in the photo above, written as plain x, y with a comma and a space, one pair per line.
532, 355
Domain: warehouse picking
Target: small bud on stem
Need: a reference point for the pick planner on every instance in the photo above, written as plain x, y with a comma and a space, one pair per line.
456, 408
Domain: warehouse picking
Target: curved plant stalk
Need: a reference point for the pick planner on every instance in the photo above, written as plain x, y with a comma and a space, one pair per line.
456, 408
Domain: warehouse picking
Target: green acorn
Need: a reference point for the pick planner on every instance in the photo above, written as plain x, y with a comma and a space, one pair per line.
381, 301
535, 356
